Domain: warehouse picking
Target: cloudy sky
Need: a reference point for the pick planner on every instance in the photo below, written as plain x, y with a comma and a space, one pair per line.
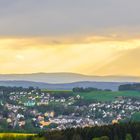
96, 37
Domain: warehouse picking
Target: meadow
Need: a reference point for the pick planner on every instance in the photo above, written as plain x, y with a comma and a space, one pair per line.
98, 95
17, 136
108, 95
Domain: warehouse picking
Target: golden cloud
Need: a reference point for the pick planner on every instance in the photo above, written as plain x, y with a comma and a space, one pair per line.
86, 55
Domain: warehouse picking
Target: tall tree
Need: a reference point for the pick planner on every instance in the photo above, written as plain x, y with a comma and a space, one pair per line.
104, 138
138, 136
76, 137
128, 137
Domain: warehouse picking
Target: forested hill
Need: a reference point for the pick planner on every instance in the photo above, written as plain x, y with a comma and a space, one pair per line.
65, 78
66, 86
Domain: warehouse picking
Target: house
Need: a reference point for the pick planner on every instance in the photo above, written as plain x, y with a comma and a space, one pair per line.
114, 121
29, 103
43, 123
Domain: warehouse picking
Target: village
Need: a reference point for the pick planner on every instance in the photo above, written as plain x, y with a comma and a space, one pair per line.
42, 110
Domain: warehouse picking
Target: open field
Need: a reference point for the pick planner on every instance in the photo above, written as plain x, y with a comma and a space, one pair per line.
58, 91
16, 134
136, 117
101, 95
107, 96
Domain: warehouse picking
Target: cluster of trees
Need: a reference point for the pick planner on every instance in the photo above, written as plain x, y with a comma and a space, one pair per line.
88, 89
130, 131
4, 89
127, 137
62, 94
132, 87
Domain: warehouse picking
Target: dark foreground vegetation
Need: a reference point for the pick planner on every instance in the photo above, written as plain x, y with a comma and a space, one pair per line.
129, 131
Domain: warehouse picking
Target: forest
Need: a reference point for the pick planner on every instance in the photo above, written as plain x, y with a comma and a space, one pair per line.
130, 87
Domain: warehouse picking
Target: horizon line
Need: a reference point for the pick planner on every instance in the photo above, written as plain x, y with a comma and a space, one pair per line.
68, 73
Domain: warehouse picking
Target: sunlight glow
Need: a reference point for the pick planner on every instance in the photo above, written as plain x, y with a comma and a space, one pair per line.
83, 55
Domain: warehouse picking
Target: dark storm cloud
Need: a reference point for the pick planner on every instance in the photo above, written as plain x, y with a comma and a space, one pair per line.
67, 17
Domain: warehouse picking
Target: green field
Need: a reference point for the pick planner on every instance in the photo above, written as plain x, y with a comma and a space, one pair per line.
136, 117
16, 135
99, 95
58, 91
107, 96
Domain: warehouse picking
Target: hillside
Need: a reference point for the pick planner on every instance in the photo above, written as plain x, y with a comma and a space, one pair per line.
67, 86
108, 96
65, 78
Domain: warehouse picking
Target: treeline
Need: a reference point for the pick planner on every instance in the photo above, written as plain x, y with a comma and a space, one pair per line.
132, 87
88, 89
61, 94
5, 89
130, 131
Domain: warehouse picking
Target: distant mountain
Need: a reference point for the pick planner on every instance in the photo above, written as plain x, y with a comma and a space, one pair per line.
67, 86
65, 78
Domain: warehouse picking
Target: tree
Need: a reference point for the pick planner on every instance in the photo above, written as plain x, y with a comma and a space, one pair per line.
138, 136
39, 138
104, 138
76, 137
128, 137
96, 139
116, 137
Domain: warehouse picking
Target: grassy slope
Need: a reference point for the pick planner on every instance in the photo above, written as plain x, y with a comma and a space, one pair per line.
15, 134
101, 95
107, 96
136, 117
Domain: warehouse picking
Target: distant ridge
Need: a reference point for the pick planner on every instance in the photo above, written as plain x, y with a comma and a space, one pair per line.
67, 86
65, 78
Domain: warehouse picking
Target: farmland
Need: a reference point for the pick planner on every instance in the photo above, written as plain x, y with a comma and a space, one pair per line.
99, 95
16, 136
108, 95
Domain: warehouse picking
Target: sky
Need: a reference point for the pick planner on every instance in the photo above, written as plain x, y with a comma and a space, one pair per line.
92, 37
